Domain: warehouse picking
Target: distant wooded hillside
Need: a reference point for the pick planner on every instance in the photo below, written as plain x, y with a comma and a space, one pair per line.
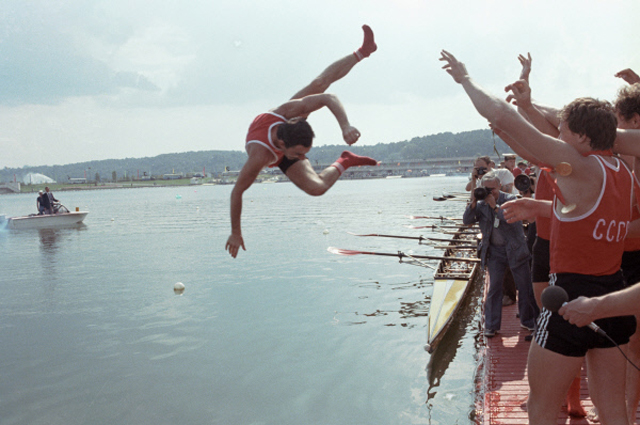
442, 145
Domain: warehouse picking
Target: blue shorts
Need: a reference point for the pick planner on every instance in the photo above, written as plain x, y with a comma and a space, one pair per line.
558, 335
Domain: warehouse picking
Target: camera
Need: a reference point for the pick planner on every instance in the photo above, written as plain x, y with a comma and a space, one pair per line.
523, 182
480, 193
481, 171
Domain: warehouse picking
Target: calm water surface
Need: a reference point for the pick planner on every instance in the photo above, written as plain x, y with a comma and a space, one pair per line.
287, 333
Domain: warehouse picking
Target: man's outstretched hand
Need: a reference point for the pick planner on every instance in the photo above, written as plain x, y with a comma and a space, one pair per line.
520, 93
455, 68
526, 66
233, 245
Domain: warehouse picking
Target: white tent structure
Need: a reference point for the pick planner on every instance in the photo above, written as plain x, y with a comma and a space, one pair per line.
37, 178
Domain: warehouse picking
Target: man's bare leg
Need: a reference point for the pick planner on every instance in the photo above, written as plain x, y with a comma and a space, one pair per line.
304, 176
633, 376
550, 375
339, 68
607, 374
574, 408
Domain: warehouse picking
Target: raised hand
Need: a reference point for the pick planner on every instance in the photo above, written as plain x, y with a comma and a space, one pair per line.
628, 75
526, 66
520, 93
456, 69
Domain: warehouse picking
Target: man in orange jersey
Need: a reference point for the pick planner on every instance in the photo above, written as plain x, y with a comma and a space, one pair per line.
585, 252
282, 137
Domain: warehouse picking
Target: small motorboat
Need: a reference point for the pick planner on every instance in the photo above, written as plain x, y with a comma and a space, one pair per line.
61, 218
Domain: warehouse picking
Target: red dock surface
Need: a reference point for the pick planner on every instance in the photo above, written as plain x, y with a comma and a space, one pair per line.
503, 385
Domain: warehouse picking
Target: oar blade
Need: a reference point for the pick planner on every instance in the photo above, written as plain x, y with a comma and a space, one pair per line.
340, 251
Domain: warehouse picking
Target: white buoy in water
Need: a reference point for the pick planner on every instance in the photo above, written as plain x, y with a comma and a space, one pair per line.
113, 219
325, 232
178, 288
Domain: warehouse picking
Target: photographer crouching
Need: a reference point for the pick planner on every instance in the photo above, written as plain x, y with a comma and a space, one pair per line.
503, 245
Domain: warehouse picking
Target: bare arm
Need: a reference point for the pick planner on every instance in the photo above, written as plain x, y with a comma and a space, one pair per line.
628, 75
259, 157
627, 142
521, 96
547, 149
550, 113
583, 311
308, 104
526, 209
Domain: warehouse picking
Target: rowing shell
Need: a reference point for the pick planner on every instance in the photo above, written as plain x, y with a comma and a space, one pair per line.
452, 281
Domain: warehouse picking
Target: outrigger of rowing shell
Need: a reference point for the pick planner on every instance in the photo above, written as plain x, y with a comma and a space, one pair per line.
453, 277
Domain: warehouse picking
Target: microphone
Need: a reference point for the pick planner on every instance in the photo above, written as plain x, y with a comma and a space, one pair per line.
553, 297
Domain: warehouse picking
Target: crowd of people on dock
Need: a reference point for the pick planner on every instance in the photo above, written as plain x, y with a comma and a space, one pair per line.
586, 239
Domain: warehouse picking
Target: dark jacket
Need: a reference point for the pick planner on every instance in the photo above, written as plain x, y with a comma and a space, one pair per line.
516, 245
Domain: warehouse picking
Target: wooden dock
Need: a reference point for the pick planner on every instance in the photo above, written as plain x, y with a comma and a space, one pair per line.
502, 379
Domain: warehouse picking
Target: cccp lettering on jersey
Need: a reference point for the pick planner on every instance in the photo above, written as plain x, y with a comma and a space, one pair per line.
612, 231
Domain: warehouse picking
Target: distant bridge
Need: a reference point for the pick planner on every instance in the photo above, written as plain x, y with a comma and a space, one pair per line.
405, 168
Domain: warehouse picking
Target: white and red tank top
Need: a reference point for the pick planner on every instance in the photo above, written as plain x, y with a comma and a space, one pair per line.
260, 133
593, 243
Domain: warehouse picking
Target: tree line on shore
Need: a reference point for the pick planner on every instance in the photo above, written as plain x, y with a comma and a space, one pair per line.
215, 162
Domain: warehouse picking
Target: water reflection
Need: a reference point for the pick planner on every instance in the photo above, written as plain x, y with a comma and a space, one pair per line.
408, 310
50, 241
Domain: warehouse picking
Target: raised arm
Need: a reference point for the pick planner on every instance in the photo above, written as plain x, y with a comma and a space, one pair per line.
550, 113
500, 114
526, 66
628, 75
520, 95
627, 142
308, 104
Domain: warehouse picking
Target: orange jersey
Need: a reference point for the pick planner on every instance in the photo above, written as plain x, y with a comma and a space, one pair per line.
593, 243
260, 133
545, 193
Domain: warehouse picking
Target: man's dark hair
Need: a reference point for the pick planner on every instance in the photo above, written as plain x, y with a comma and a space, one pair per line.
628, 101
593, 118
296, 132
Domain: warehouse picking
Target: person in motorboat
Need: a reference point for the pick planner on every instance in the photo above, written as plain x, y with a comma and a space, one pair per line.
52, 199
43, 204
282, 137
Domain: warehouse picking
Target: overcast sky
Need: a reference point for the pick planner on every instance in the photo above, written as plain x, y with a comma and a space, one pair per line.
96, 79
